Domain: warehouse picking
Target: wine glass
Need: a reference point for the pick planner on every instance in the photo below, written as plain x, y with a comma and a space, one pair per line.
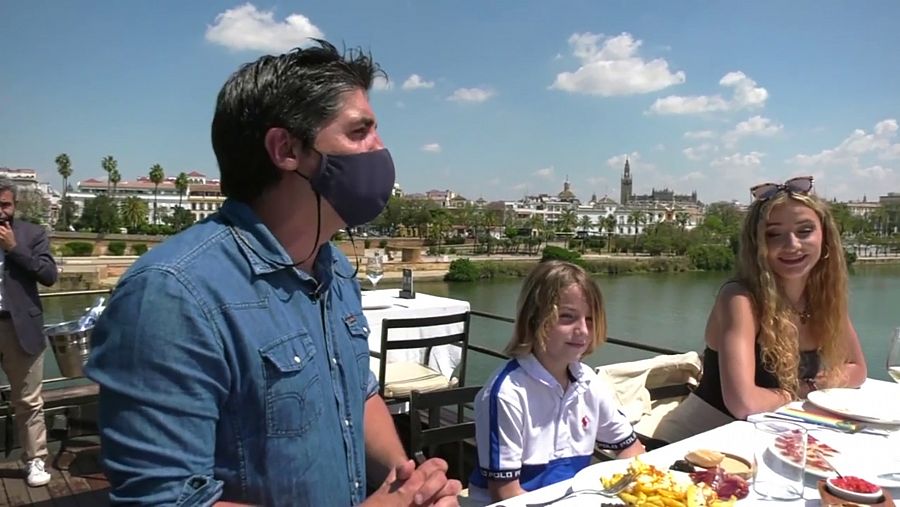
374, 270
893, 359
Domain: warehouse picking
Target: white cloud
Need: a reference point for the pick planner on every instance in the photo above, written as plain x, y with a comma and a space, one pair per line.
876, 172
381, 84
432, 148
614, 68
414, 82
699, 134
754, 126
700, 152
693, 176
618, 161
739, 160
892, 153
247, 28
471, 95
546, 172
857, 144
660, 147
745, 95
520, 186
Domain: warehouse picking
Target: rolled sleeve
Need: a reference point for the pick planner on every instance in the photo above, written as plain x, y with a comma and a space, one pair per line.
163, 377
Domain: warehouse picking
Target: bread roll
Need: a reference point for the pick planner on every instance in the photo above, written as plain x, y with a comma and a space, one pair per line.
705, 458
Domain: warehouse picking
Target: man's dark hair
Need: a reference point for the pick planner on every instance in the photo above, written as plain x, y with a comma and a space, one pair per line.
7, 185
298, 91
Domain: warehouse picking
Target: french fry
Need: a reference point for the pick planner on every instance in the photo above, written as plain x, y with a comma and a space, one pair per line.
659, 488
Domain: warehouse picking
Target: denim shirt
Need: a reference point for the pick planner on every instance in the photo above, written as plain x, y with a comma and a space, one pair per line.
225, 375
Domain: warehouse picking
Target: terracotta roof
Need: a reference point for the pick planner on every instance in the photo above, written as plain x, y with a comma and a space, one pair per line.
196, 174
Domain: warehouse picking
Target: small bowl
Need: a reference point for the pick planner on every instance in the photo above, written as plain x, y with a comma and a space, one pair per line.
853, 496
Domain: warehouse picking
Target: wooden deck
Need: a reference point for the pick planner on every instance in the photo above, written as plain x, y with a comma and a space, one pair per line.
80, 483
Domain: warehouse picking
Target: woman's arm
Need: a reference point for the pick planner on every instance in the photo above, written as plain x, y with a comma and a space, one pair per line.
502, 490
734, 324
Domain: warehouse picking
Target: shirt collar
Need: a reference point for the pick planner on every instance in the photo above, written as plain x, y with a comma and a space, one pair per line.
264, 252
536, 370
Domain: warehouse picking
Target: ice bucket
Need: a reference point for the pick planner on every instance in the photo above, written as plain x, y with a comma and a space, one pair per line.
71, 344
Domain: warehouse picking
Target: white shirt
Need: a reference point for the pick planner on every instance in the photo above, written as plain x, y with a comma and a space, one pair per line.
528, 428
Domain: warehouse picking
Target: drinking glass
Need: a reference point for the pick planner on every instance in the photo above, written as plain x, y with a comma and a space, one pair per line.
893, 359
374, 270
779, 460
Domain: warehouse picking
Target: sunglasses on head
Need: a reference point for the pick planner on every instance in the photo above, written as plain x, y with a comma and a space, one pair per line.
799, 185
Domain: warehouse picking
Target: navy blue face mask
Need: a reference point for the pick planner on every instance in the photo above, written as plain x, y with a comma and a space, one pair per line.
357, 186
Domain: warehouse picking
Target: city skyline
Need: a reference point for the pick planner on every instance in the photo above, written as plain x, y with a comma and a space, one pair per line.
487, 100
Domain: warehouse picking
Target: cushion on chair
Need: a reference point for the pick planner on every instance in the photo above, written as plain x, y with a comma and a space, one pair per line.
403, 377
633, 380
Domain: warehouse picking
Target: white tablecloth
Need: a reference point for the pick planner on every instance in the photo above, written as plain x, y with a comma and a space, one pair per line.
443, 359
737, 438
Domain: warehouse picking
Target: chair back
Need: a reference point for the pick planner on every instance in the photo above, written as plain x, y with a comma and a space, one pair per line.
446, 330
445, 415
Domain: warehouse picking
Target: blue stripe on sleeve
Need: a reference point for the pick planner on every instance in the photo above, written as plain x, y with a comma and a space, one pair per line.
494, 458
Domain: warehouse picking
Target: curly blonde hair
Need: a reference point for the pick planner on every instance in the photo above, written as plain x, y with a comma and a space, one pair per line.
537, 308
826, 293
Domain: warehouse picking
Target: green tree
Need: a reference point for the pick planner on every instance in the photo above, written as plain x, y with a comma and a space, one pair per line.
181, 185
133, 211
682, 218
637, 218
157, 175
568, 219
68, 211
109, 165
585, 224
115, 178
30, 205
64, 168
100, 214
610, 223
179, 219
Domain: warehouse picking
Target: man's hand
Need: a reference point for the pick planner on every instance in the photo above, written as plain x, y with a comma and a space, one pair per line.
7, 237
426, 485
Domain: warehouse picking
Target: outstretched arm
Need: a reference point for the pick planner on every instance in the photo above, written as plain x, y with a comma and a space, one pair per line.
733, 315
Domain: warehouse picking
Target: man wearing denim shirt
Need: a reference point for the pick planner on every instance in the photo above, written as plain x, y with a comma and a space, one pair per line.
233, 359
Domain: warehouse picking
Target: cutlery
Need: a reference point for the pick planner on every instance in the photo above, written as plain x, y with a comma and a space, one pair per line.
613, 490
862, 429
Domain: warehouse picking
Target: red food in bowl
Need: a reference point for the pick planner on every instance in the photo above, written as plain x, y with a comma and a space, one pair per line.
855, 484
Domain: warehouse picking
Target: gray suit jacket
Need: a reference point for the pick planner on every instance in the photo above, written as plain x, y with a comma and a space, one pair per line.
27, 264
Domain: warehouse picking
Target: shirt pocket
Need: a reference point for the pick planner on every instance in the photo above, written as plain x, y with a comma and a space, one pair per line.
294, 399
358, 328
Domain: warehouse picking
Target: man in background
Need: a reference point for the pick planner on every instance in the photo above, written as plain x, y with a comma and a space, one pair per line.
25, 261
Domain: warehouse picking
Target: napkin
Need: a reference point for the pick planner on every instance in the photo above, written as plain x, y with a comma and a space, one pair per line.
821, 418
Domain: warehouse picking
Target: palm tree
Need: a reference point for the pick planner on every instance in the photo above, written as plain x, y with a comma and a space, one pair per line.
64, 167
585, 224
114, 178
134, 212
637, 218
109, 165
568, 219
157, 175
181, 185
610, 223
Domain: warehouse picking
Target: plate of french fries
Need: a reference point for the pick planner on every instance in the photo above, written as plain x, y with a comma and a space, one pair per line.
652, 486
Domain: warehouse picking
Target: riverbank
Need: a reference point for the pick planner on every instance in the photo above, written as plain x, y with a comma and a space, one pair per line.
99, 272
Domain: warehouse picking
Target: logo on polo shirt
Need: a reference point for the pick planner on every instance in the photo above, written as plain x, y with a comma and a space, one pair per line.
585, 422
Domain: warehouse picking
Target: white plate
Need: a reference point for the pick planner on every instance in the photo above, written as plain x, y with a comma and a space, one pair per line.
852, 403
589, 477
376, 303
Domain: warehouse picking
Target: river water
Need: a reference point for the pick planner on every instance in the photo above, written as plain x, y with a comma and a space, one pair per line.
667, 310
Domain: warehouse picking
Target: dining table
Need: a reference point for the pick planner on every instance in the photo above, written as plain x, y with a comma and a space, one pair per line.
872, 452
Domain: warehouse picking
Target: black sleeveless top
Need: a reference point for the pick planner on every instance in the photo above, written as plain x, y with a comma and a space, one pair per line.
710, 387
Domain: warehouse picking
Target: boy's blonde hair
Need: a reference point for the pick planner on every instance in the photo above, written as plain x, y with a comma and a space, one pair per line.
826, 293
537, 309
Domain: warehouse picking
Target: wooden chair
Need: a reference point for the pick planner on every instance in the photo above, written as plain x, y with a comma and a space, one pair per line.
447, 423
398, 379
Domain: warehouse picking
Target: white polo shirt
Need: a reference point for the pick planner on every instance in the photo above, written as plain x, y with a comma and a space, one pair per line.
528, 429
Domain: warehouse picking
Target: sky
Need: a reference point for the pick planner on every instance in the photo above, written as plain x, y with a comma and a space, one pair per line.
493, 99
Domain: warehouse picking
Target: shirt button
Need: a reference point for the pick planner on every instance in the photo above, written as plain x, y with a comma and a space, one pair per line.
347, 422
297, 359
333, 360
356, 484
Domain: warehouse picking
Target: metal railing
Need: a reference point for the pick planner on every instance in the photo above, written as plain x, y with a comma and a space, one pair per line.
615, 341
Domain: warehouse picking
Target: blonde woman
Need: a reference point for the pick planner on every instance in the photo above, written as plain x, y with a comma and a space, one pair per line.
539, 416
781, 328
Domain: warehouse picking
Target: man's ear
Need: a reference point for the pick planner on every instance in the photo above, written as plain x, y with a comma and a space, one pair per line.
284, 149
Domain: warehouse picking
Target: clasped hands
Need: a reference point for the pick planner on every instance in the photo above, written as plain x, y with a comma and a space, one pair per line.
425, 485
